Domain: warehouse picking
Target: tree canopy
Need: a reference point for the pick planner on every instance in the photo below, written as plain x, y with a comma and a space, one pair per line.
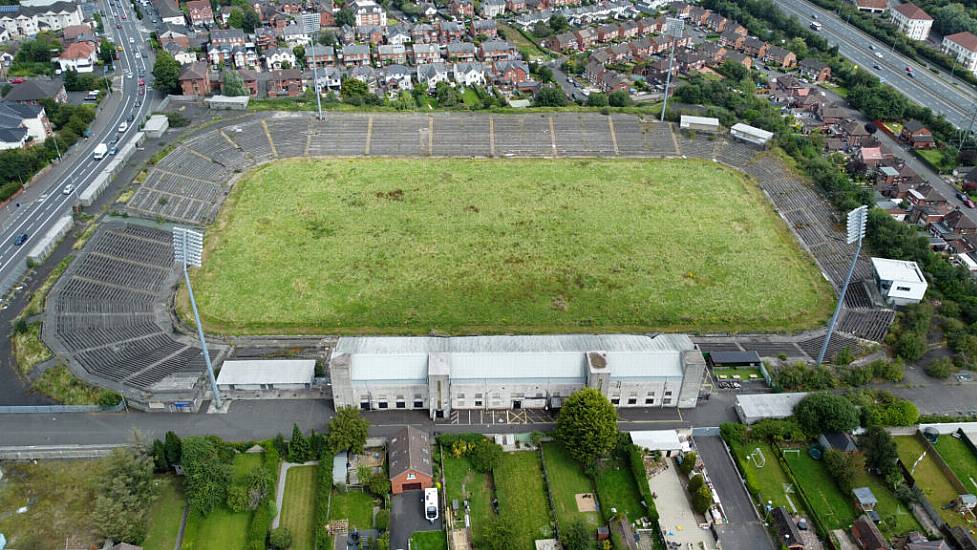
824, 412
207, 475
587, 425
347, 431
126, 491
166, 71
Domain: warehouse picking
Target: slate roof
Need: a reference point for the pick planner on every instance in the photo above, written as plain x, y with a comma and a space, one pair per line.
410, 449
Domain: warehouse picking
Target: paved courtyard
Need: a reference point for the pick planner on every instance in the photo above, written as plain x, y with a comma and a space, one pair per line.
675, 515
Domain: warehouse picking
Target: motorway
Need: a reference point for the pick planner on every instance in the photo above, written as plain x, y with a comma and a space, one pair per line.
43, 203
942, 93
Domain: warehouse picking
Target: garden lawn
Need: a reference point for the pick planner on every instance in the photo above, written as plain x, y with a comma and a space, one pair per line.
408, 246
166, 514
768, 483
428, 540
463, 482
298, 506
928, 477
231, 528
566, 480
827, 502
521, 42
616, 488
897, 520
960, 459
356, 506
522, 497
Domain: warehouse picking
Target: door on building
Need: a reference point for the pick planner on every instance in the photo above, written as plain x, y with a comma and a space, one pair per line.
411, 487
517, 404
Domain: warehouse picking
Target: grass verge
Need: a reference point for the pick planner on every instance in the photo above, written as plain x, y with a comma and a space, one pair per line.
462, 483
36, 304
166, 514
298, 506
522, 500
28, 349
567, 480
499, 246
60, 384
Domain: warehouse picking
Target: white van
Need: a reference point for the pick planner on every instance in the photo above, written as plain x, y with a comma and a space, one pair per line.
431, 504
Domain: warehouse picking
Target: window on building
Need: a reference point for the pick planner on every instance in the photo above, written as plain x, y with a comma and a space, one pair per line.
382, 405
478, 402
632, 400
615, 401
649, 401
667, 401
478, 396
668, 393
461, 396
401, 405
418, 404
411, 477
364, 405
903, 288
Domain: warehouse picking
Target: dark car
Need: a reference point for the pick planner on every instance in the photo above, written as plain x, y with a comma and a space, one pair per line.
115, 139
21, 239
131, 117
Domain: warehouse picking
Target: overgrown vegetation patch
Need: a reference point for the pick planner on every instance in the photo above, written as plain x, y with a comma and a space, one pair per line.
460, 246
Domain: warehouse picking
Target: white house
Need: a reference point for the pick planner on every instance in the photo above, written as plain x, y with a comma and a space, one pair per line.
182, 55
275, 58
26, 21
80, 57
900, 282
430, 74
330, 78
469, 74
963, 47
12, 138
253, 378
368, 12
296, 35
24, 116
398, 77
492, 8
912, 21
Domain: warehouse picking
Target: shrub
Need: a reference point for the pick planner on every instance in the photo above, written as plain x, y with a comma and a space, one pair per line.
688, 463
893, 371
382, 519
280, 538
695, 482
941, 368
702, 499
734, 433
843, 467
485, 456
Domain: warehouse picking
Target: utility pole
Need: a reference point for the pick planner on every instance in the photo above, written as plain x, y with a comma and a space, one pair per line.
964, 134
315, 76
674, 28
857, 219
187, 249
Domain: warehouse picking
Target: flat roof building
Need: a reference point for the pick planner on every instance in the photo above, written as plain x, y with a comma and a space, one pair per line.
900, 282
267, 374
750, 134
699, 123
752, 408
514, 372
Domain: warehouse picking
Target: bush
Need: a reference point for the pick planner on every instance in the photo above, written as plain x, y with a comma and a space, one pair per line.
826, 412
843, 467
280, 538
892, 371
688, 463
382, 519
485, 456
734, 433
702, 499
323, 480
258, 528
776, 430
941, 368
889, 410
695, 482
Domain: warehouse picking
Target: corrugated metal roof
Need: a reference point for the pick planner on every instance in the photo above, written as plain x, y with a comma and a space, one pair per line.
768, 405
510, 344
274, 371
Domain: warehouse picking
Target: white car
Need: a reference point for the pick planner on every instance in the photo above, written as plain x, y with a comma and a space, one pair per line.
67, 189
132, 40
123, 127
878, 54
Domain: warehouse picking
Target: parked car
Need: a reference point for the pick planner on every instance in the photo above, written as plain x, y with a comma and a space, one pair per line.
17, 80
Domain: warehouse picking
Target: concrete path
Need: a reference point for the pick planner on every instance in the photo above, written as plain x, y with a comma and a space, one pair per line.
280, 487
183, 528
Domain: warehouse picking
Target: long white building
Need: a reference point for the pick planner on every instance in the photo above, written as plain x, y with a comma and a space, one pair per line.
26, 21
439, 374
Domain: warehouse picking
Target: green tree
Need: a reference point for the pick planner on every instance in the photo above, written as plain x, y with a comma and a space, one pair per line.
171, 442
497, 534
880, 451
940, 368
251, 20
620, 98
353, 90
843, 467
207, 476
159, 456
299, 52
346, 17
544, 73
378, 484
347, 431
106, 52
166, 71
299, 449
587, 425
280, 538
126, 490
446, 95
280, 444
236, 18
695, 482
577, 536
550, 96
688, 463
597, 99
558, 23
486, 455
702, 499
826, 412
233, 84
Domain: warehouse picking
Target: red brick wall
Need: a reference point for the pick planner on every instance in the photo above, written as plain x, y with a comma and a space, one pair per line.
397, 482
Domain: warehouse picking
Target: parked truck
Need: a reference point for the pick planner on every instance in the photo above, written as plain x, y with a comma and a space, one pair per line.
100, 151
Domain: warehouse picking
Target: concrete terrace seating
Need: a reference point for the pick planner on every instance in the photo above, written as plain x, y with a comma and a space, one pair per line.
583, 135
868, 324
106, 314
462, 134
290, 134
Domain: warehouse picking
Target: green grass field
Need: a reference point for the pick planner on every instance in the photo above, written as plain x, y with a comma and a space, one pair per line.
356, 506
929, 477
833, 508
298, 506
566, 480
166, 514
897, 520
960, 459
428, 540
616, 488
463, 482
231, 528
770, 482
494, 246
522, 500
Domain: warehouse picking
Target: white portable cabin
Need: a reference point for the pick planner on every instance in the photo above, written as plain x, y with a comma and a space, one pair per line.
699, 123
750, 134
900, 282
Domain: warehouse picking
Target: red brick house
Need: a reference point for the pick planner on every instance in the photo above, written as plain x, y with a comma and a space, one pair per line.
200, 13
784, 58
815, 70
409, 461
461, 8
195, 80
287, 82
867, 535
917, 135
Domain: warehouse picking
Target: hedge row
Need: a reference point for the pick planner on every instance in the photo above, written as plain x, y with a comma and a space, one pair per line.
323, 480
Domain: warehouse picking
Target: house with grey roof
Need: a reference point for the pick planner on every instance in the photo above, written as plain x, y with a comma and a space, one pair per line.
409, 461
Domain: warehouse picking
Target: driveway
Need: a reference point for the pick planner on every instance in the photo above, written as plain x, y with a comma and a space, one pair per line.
407, 516
744, 529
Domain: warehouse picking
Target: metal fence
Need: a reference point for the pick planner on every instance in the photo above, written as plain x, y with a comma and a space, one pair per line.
58, 409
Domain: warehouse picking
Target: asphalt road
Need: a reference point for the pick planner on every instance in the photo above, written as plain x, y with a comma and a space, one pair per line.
43, 203
942, 93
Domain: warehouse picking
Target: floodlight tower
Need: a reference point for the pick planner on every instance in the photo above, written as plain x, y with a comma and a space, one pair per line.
857, 219
674, 28
315, 76
188, 248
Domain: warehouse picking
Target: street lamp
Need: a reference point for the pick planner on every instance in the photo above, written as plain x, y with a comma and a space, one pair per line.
674, 28
187, 250
857, 219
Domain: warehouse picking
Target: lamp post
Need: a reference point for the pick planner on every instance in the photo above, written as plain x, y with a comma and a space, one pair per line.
674, 27
187, 250
857, 219
315, 76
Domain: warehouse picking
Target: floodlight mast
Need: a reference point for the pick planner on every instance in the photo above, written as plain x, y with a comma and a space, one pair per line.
184, 254
674, 28
857, 219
